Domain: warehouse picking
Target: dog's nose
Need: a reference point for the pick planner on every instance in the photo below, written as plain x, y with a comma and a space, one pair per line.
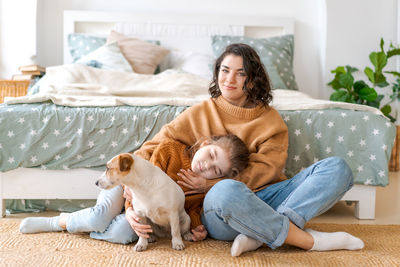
97, 182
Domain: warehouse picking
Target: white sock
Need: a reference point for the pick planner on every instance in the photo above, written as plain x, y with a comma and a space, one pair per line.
243, 243
40, 224
333, 241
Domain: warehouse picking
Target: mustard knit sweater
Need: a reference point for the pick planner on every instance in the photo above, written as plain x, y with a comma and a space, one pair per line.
261, 129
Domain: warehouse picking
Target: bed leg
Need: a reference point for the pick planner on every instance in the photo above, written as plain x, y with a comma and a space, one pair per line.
2, 208
364, 197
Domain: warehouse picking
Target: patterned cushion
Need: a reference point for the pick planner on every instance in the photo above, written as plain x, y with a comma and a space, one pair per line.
276, 53
80, 44
108, 57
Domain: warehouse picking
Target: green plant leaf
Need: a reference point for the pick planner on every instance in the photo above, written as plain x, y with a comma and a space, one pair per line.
386, 109
368, 94
393, 52
370, 74
380, 80
346, 80
351, 69
379, 60
394, 73
382, 43
358, 85
340, 95
339, 69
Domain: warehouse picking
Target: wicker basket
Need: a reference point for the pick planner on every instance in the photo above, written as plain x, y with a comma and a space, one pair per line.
12, 88
394, 165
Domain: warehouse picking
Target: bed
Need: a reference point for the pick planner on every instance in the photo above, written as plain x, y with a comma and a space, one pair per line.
54, 145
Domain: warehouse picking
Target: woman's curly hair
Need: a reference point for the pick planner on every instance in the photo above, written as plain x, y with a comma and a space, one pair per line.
257, 86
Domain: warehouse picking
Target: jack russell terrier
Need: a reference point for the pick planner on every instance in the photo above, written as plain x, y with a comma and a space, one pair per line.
155, 196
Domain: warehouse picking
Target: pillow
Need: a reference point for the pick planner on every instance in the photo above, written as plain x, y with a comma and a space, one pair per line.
80, 44
108, 57
189, 61
143, 56
276, 53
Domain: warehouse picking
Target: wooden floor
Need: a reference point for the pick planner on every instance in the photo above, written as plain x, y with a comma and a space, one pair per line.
387, 208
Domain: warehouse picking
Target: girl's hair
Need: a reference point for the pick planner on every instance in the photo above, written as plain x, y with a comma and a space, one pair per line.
237, 151
257, 86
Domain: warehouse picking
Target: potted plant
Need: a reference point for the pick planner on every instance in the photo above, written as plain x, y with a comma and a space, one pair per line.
365, 92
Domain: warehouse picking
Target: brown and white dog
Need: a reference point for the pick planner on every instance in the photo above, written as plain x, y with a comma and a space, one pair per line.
156, 198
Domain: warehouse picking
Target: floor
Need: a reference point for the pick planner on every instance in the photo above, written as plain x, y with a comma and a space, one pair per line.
387, 208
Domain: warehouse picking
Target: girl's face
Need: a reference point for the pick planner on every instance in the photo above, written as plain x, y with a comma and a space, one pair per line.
231, 79
210, 162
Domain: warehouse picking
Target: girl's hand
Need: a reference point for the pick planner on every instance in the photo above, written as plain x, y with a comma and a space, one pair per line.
193, 181
199, 233
127, 194
141, 230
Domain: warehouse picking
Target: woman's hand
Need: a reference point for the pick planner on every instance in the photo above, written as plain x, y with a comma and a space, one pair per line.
127, 194
199, 233
142, 230
193, 181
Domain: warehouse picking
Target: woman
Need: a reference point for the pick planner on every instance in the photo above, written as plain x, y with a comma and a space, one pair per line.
260, 206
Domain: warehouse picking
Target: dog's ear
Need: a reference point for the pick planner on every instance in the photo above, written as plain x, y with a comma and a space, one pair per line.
125, 162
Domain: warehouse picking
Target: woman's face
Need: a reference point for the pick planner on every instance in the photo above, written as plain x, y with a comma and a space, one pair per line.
231, 79
210, 162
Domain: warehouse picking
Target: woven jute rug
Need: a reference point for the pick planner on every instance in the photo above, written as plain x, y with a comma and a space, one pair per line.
382, 248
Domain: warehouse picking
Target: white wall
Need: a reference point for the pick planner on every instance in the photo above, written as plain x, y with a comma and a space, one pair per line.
328, 32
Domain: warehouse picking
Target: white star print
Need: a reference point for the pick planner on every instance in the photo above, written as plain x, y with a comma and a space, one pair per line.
316, 160
114, 144
43, 167
366, 118
68, 144
33, 159
330, 124
45, 146
368, 181
67, 119
137, 143
90, 144
388, 124
353, 128
343, 114
21, 120
79, 156
308, 146
112, 118
296, 158
147, 129
362, 142
65, 167
1, 146
350, 153
102, 156
90, 118
372, 157
328, 150
102, 131
125, 131
318, 135
384, 147
45, 120
376, 132
360, 168
33, 132
286, 118
22, 146
381, 173
155, 115
308, 121
320, 112
297, 132
134, 118
79, 131
11, 160
10, 134
57, 157
340, 139
56, 132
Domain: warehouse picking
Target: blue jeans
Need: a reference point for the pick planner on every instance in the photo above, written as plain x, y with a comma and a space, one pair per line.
104, 221
231, 208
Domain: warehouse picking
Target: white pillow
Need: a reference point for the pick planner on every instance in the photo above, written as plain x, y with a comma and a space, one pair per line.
192, 62
107, 57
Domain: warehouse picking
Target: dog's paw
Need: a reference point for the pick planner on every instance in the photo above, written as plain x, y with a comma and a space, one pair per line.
188, 236
152, 239
139, 247
178, 246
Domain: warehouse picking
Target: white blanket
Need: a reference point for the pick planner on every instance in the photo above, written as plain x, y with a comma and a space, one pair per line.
79, 85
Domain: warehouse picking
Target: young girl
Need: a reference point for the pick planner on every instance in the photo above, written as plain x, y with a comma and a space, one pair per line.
214, 157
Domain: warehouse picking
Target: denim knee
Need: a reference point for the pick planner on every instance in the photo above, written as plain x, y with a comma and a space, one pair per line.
220, 196
341, 167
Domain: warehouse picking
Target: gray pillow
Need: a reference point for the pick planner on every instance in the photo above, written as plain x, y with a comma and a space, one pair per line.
276, 53
80, 44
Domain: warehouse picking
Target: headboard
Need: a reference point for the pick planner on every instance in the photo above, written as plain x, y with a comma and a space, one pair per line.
187, 32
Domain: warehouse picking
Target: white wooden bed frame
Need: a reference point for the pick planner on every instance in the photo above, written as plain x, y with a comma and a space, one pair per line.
33, 183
